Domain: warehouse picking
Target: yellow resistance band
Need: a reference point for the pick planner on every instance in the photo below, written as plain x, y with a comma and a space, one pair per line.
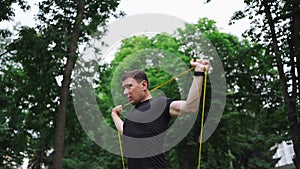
202, 120
161, 85
167, 82
121, 150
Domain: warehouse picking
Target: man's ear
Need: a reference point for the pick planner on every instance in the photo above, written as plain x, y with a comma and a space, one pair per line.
145, 85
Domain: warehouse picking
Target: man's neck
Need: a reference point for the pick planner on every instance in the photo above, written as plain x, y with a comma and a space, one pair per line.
147, 97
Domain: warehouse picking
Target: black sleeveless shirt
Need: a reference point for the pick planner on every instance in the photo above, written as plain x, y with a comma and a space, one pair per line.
143, 134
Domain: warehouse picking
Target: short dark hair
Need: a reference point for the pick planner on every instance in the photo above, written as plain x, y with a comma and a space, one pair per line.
138, 75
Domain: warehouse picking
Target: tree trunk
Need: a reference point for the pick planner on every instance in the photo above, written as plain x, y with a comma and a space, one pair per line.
296, 47
57, 161
289, 98
187, 154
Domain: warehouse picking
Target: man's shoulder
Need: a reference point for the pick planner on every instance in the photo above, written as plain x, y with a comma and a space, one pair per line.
162, 99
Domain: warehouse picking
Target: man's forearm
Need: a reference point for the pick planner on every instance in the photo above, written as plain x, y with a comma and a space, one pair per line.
192, 102
118, 123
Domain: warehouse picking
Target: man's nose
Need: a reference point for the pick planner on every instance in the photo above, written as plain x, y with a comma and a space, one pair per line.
125, 92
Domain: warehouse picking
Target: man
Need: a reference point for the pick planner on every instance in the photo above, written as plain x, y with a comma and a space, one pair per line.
144, 125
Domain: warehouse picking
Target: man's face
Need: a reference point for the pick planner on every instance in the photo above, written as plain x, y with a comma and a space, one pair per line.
133, 90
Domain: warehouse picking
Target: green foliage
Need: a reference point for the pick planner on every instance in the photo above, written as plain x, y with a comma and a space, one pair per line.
249, 103
6, 10
30, 67
33, 91
240, 66
275, 25
253, 120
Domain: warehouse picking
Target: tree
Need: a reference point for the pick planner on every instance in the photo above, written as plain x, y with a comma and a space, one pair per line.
7, 12
13, 87
53, 43
277, 28
251, 124
68, 30
243, 123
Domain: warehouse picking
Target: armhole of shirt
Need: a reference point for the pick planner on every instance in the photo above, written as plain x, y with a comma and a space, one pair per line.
169, 101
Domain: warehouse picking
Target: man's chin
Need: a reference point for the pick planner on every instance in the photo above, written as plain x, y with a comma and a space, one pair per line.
131, 102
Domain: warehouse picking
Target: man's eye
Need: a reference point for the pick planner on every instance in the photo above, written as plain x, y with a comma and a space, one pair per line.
127, 86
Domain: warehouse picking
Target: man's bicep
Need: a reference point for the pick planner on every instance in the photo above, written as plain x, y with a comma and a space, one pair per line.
176, 107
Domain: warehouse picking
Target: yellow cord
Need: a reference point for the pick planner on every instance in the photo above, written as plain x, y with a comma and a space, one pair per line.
170, 80
202, 121
121, 150
166, 82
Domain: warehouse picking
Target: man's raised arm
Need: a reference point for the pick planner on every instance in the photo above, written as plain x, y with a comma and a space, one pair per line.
191, 104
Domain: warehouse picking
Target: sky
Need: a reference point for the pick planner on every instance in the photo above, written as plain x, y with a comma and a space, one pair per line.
188, 10
191, 10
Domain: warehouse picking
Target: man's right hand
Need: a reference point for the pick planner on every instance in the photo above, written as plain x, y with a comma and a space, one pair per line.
117, 111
